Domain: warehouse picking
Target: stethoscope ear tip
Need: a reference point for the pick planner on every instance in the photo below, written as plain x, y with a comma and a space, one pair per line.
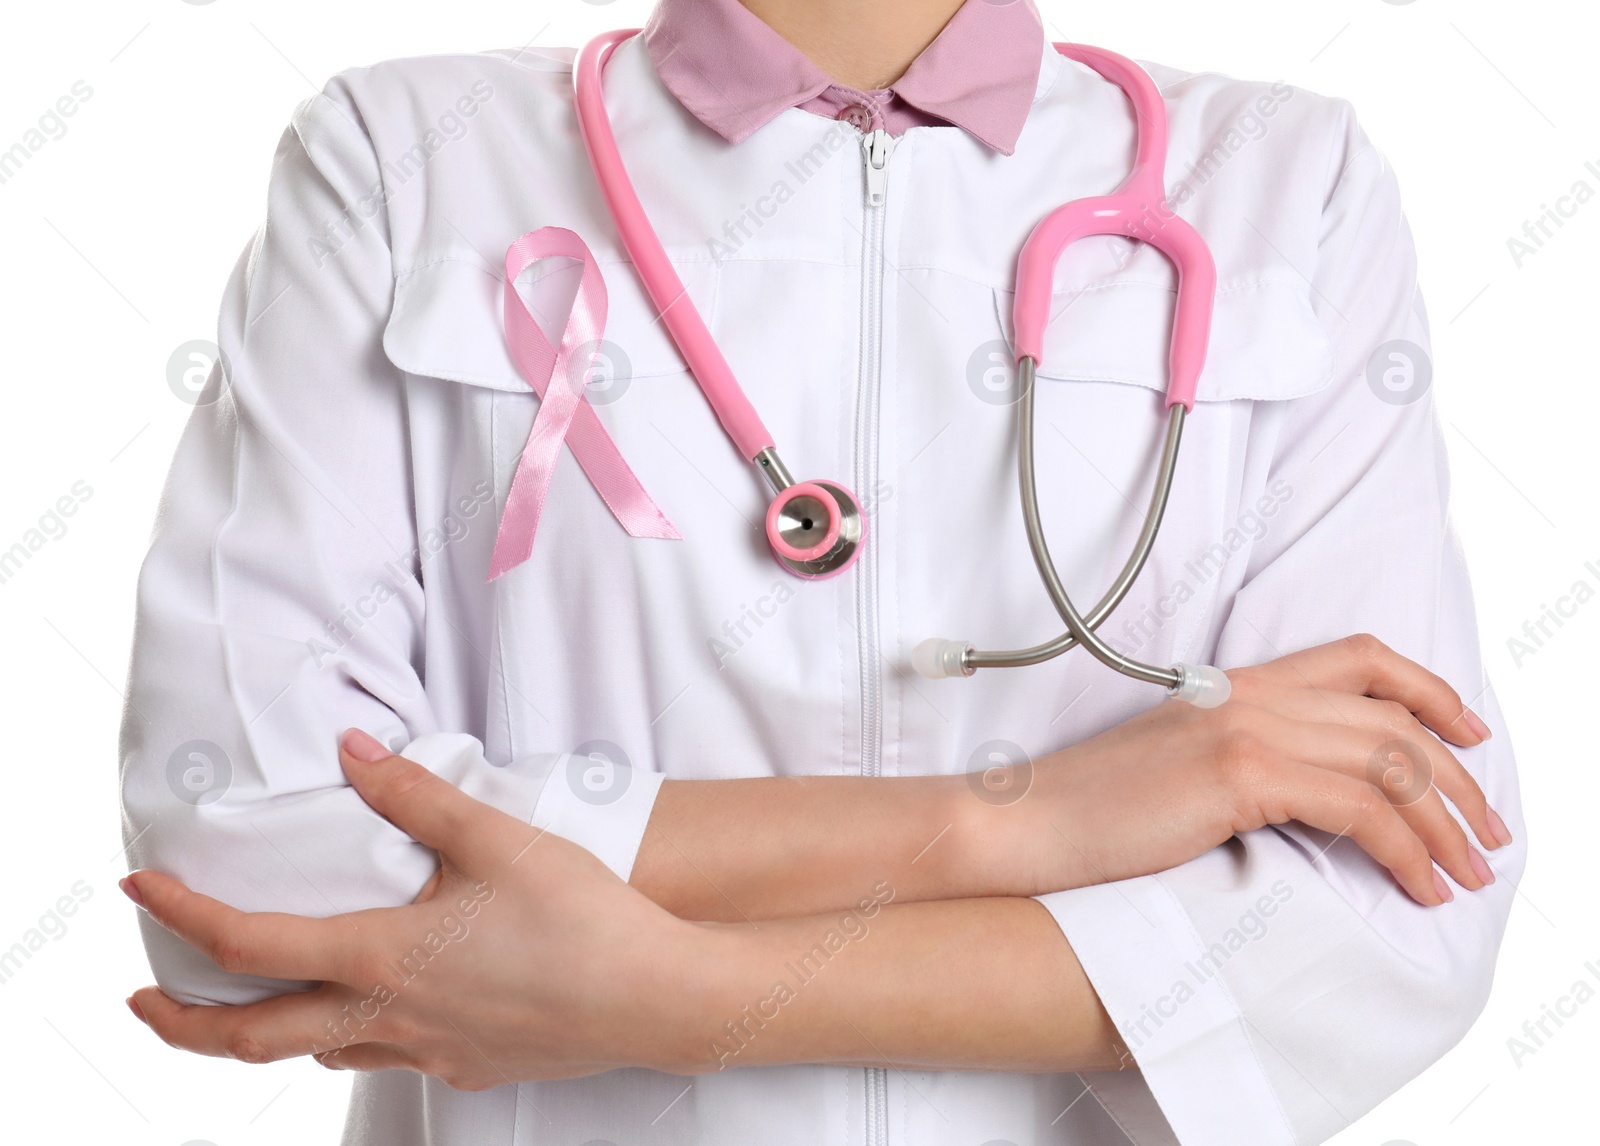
1204, 686
938, 659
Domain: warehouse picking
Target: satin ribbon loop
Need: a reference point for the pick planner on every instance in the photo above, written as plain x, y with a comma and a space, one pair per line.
558, 375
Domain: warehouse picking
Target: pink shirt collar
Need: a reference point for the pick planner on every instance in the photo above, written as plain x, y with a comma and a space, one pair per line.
735, 74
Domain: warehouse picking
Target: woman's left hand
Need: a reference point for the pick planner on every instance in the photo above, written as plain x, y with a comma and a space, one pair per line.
523, 958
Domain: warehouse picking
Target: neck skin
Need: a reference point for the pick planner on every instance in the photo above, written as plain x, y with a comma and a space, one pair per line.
862, 44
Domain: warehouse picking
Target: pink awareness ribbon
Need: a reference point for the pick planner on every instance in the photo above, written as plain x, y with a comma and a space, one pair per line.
558, 376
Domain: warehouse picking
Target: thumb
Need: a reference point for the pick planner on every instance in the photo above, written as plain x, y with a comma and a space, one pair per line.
478, 837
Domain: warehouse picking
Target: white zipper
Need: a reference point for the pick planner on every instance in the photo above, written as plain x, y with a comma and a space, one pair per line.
876, 147
877, 1106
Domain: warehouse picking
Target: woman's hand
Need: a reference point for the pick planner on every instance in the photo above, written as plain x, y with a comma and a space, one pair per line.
523, 958
1348, 737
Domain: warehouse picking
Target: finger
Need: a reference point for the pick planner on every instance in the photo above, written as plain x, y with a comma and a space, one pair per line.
283, 1027
1396, 722
1430, 818
1399, 771
380, 1056
481, 1075
1364, 665
270, 943
431, 810
1292, 790
367, 1056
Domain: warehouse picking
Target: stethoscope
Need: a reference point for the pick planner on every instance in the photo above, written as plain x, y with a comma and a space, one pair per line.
817, 528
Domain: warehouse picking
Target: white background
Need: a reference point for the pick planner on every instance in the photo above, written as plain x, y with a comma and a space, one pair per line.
117, 238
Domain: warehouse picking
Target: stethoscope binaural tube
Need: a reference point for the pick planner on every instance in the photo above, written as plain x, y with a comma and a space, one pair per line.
1201, 685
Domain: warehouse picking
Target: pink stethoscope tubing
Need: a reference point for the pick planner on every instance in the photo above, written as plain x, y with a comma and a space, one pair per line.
661, 281
816, 528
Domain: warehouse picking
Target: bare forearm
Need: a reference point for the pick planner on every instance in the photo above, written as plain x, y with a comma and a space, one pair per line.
984, 984
767, 848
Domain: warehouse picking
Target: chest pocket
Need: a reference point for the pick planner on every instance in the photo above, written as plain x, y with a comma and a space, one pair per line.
1266, 342
446, 322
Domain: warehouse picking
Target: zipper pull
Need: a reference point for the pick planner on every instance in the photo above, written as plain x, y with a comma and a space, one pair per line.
877, 146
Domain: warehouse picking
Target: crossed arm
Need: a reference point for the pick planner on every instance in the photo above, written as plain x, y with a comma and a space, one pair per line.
826, 920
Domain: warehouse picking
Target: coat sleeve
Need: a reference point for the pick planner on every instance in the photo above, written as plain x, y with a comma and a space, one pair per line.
1279, 987
283, 596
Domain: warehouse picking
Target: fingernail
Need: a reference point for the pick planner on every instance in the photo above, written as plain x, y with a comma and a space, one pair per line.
1442, 887
1480, 866
364, 747
131, 890
1498, 829
137, 1013
1475, 722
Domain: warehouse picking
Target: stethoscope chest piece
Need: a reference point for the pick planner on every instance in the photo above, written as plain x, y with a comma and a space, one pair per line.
815, 529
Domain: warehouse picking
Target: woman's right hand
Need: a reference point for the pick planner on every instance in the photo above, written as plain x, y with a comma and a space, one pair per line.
1348, 737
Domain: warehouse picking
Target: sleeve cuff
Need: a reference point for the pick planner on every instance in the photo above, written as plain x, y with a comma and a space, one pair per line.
1178, 1019
598, 803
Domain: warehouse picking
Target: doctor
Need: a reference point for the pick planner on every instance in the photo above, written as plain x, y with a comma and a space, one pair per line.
648, 842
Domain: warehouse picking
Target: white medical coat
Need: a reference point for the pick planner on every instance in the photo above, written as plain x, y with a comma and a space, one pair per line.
324, 537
